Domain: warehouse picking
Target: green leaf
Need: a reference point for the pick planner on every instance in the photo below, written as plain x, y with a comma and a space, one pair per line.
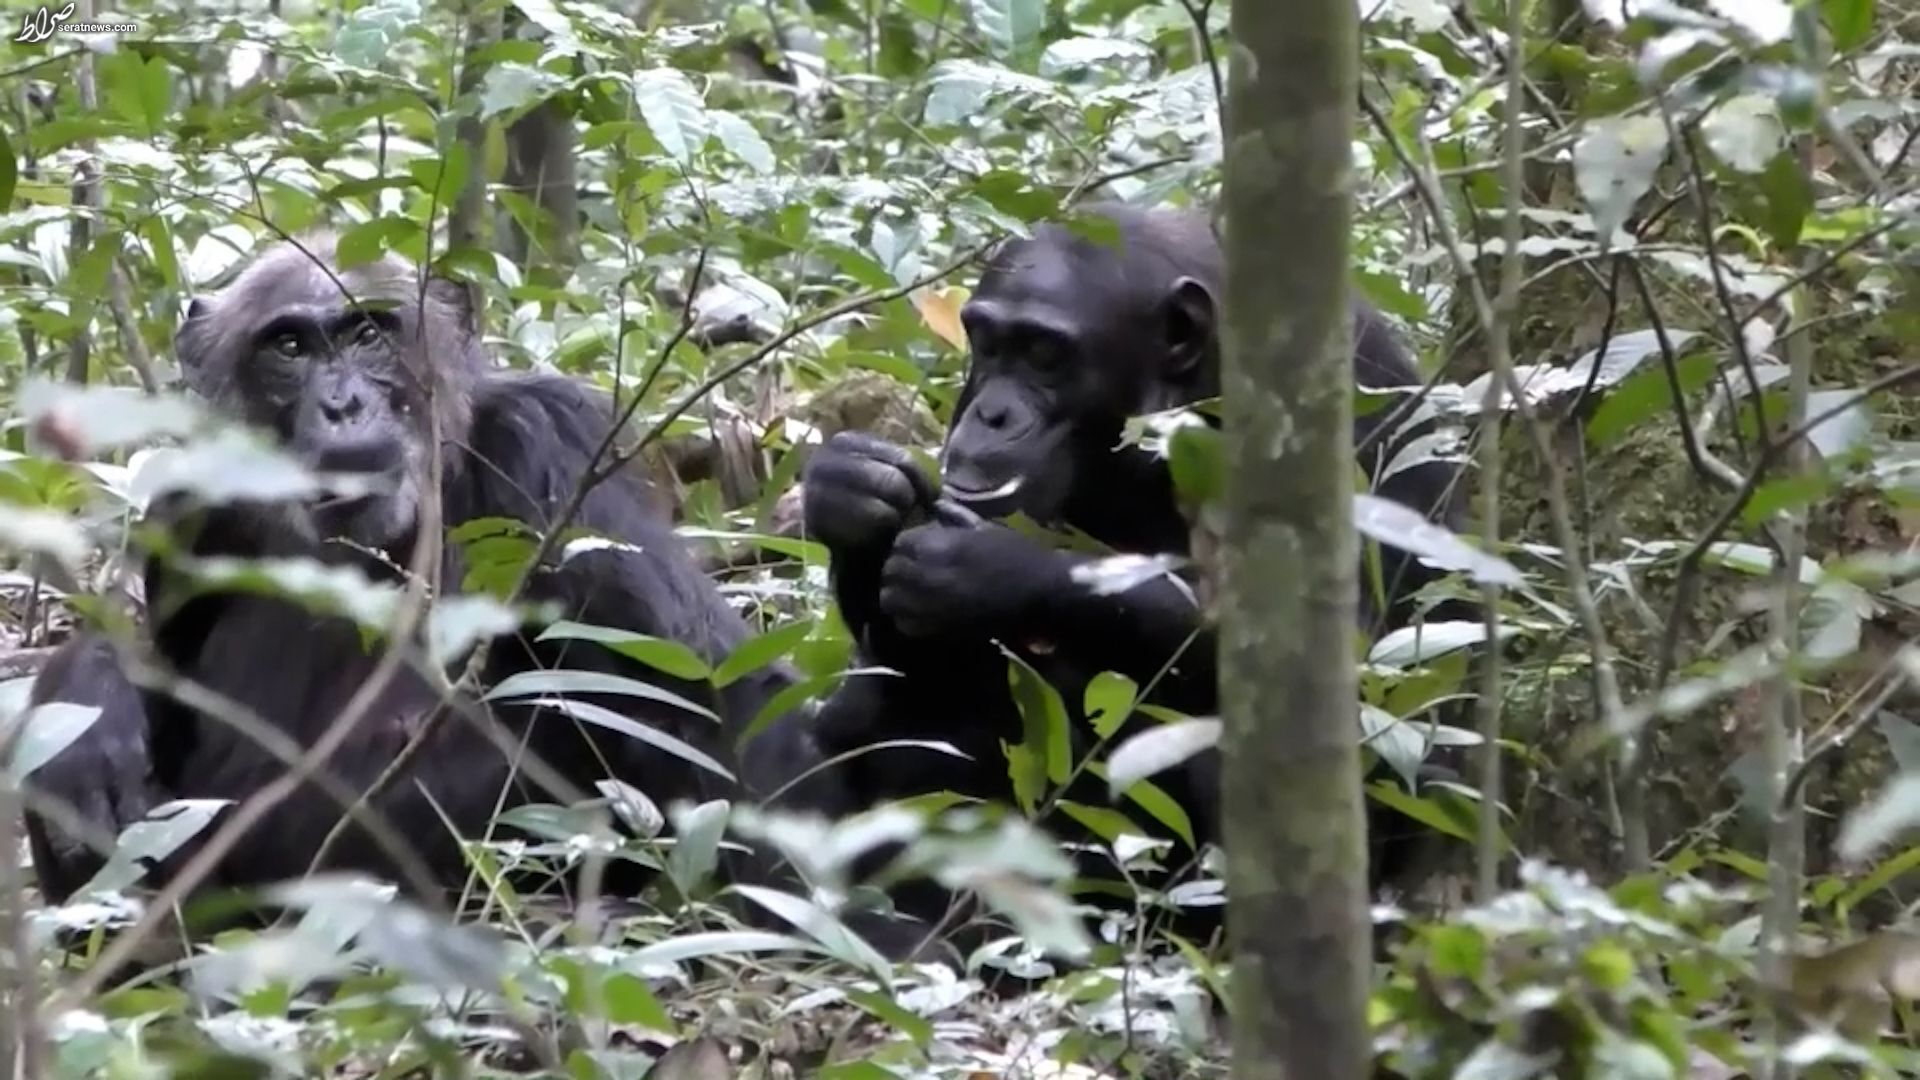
496, 551
1745, 132
368, 34
1197, 456
833, 935
806, 690
369, 240
757, 652
1883, 875
1850, 22
1010, 26
743, 141
662, 655
156, 94
1890, 813
1420, 643
1161, 806
45, 731
1013, 192
630, 1001
613, 721
529, 683
1102, 821
1109, 701
1158, 749
1427, 811
1392, 523
154, 229
99, 419
673, 111
1614, 163
88, 277
151, 840
697, 831
716, 943
512, 87
1027, 772
1786, 200
9, 170
1644, 395
893, 1014
1045, 732
443, 179
543, 14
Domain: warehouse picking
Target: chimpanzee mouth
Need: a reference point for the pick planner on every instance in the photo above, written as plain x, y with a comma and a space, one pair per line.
350, 490
968, 495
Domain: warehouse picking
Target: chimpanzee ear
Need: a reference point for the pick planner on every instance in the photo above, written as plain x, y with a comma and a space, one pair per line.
1188, 321
455, 304
192, 342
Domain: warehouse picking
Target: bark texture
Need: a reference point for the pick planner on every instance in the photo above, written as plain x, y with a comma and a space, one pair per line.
1294, 826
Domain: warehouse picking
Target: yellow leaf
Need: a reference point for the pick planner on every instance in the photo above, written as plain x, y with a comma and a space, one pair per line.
941, 310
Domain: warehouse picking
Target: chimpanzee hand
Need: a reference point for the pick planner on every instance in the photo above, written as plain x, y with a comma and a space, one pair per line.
987, 580
860, 492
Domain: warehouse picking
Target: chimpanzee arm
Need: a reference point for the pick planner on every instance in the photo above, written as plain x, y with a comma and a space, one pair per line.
534, 437
104, 775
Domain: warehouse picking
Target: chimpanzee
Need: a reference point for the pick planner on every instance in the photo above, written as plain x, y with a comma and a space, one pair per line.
1070, 336
346, 367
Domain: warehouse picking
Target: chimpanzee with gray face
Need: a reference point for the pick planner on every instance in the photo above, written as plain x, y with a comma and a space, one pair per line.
352, 370
1069, 338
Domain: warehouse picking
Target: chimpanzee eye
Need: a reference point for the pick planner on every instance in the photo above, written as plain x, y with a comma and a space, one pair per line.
1049, 352
288, 345
368, 334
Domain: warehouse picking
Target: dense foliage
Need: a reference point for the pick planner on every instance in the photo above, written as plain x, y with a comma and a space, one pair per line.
745, 220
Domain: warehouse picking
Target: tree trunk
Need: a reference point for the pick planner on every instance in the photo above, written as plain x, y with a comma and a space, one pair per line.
1294, 827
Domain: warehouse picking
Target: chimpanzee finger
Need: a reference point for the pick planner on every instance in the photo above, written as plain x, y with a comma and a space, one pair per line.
952, 514
877, 449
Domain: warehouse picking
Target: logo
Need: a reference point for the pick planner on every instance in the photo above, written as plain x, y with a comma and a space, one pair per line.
38, 26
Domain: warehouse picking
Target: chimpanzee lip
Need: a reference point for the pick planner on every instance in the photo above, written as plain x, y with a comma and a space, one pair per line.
998, 491
360, 487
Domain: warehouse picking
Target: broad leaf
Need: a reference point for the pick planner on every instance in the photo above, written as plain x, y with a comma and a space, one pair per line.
590, 682
661, 654
613, 721
1157, 749
45, 731
1402, 527
1613, 165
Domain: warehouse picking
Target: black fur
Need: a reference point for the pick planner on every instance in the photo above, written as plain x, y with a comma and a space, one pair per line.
1069, 338
514, 446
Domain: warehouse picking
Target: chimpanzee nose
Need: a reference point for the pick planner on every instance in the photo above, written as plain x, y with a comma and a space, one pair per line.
342, 407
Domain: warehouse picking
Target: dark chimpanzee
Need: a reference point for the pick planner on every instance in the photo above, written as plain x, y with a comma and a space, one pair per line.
346, 367
1069, 337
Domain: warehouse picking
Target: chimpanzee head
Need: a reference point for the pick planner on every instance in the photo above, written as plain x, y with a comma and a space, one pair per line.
347, 368
1070, 336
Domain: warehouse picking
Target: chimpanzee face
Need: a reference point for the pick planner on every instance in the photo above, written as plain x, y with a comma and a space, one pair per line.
1068, 339
334, 365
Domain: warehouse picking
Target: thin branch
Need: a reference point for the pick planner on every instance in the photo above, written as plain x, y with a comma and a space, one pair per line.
120, 298
1499, 322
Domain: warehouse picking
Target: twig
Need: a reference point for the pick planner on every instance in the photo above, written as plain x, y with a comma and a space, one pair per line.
1499, 328
120, 299
86, 199
1781, 718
